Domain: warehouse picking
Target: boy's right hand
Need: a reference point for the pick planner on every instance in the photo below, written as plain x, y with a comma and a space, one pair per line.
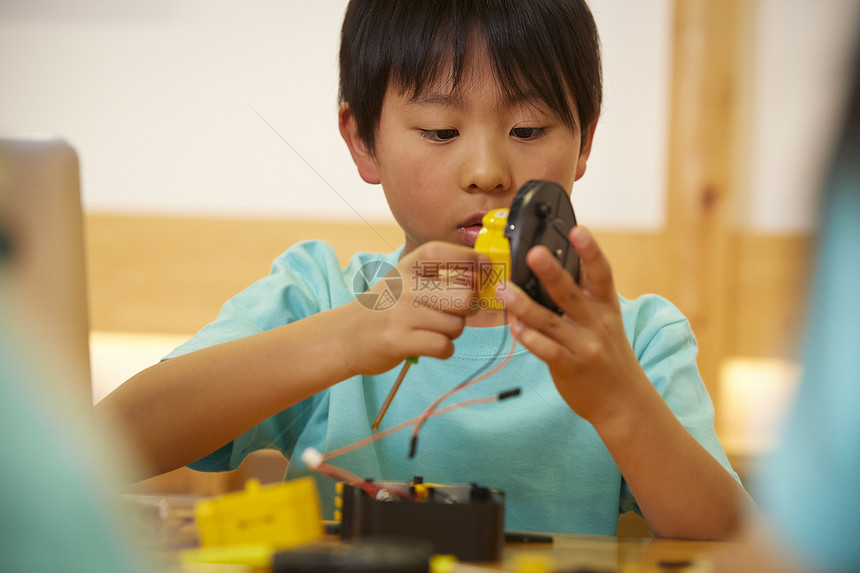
439, 289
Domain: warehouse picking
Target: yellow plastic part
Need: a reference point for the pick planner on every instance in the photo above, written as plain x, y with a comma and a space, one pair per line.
258, 558
422, 491
527, 562
492, 242
338, 501
281, 516
443, 564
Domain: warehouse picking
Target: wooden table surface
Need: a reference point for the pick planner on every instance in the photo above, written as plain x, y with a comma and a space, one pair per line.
567, 553
610, 554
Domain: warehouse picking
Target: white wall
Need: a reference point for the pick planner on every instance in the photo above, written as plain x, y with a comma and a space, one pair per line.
168, 103
162, 101
801, 73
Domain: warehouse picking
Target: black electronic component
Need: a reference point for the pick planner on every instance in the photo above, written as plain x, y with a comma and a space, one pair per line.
541, 214
464, 520
526, 537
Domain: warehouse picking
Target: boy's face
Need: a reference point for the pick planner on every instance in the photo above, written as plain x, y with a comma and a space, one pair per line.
444, 160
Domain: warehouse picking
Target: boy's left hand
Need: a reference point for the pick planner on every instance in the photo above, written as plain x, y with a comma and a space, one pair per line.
587, 350
597, 373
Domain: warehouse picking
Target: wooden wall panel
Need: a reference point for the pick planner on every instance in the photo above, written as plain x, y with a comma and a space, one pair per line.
771, 286
172, 274
702, 175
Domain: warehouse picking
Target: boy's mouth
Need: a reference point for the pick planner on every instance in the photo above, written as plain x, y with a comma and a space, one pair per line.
470, 228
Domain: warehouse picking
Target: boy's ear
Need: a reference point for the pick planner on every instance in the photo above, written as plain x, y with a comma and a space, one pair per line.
585, 149
361, 155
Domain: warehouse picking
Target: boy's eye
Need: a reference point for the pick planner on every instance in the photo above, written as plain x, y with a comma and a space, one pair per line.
439, 134
528, 133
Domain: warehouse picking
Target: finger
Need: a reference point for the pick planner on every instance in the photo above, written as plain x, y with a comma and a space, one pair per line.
448, 256
559, 283
432, 344
430, 319
531, 315
545, 347
446, 276
457, 301
596, 273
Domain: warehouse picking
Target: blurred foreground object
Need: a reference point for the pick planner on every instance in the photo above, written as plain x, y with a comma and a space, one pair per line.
808, 488
58, 502
40, 206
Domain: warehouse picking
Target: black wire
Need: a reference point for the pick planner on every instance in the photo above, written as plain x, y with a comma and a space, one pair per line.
499, 352
413, 444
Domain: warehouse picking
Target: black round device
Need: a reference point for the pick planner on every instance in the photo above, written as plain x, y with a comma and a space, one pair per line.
541, 214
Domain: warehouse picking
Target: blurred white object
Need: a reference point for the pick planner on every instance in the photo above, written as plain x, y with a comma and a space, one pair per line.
755, 397
117, 356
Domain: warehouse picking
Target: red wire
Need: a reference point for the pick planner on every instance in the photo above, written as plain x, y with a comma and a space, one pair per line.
430, 409
371, 489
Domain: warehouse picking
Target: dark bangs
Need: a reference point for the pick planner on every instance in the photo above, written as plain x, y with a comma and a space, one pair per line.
541, 51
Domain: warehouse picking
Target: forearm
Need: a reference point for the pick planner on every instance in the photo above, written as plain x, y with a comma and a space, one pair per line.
179, 410
184, 408
682, 490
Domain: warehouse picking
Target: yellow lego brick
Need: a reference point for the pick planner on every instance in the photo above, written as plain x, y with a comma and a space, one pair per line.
282, 516
255, 557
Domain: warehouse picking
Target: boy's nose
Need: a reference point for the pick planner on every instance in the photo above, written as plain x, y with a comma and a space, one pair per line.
485, 169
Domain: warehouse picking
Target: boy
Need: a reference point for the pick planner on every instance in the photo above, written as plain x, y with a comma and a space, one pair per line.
452, 106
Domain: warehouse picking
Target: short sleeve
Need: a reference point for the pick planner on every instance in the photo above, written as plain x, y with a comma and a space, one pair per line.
305, 280
298, 286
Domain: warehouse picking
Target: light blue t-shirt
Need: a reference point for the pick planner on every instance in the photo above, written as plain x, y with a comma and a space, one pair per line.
557, 474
